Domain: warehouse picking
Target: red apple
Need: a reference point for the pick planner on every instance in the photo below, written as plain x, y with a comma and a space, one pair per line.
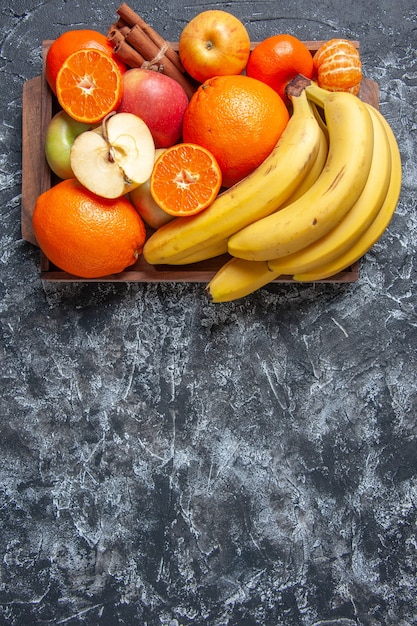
158, 100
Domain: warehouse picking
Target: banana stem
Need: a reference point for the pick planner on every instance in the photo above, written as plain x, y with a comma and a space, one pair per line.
297, 85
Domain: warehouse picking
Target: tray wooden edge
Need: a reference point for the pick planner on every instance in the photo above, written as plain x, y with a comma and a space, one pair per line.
37, 106
201, 272
31, 153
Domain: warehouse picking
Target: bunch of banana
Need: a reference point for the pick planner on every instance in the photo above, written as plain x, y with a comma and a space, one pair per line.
377, 227
287, 242
356, 221
335, 191
298, 156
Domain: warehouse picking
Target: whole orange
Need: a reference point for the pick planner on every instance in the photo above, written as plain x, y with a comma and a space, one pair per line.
84, 234
72, 41
278, 59
238, 119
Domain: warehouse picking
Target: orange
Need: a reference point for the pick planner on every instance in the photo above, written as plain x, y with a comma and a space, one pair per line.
338, 66
89, 85
238, 119
185, 180
71, 41
84, 234
278, 59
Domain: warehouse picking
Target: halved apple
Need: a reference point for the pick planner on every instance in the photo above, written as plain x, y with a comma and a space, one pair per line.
115, 158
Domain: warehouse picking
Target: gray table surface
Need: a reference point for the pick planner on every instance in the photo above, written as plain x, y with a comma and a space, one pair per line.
168, 461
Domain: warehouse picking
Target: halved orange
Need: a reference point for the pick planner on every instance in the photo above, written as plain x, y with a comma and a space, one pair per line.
186, 178
89, 85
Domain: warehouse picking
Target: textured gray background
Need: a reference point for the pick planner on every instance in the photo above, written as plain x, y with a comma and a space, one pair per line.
167, 461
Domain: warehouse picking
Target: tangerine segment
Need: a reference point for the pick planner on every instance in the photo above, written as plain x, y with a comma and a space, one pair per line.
185, 180
89, 85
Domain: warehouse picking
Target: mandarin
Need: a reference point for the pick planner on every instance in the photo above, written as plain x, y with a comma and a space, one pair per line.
278, 59
86, 235
338, 66
238, 119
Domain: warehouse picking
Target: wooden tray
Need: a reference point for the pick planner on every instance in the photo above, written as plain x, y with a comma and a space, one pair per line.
39, 105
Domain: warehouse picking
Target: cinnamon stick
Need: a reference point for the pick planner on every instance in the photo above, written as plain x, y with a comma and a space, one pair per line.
137, 50
150, 51
129, 17
122, 27
124, 51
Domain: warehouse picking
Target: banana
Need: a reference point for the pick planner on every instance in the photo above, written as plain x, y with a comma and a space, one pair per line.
238, 278
356, 221
256, 196
332, 195
378, 226
207, 252
313, 174
319, 113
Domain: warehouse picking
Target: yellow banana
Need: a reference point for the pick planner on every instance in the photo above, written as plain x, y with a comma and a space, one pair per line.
238, 278
313, 174
319, 113
378, 226
332, 195
256, 196
207, 252
356, 221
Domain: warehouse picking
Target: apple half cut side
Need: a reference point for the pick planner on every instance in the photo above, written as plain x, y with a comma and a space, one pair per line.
115, 158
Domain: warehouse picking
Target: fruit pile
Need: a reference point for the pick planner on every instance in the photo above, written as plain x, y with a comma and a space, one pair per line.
272, 158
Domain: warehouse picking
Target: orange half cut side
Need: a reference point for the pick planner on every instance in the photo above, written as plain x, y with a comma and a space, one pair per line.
89, 85
185, 180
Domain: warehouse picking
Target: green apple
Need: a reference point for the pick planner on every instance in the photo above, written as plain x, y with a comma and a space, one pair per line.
145, 205
61, 133
114, 158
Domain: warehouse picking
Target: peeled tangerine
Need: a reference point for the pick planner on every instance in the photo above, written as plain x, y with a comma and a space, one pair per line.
338, 66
